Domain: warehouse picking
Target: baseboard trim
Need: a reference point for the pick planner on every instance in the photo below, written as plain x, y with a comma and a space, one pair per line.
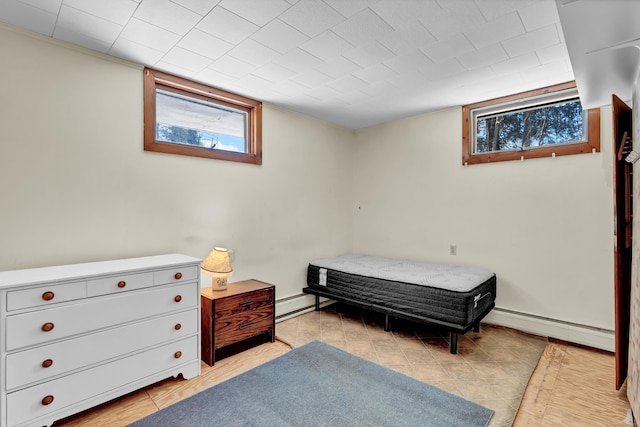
574, 333
295, 305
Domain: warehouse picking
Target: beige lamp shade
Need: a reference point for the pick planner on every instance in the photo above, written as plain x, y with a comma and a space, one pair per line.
217, 265
217, 261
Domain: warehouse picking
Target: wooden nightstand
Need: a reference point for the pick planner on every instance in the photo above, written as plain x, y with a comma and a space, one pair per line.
244, 310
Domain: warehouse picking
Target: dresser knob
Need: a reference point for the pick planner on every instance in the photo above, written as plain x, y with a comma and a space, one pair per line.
178, 298
177, 354
48, 296
47, 363
178, 276
47, 400
178, 326
122, 284
47, 327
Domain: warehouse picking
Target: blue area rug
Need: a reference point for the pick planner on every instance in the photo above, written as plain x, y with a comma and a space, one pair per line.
320, 385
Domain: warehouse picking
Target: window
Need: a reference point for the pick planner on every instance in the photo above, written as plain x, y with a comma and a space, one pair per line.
540, 123
192, 119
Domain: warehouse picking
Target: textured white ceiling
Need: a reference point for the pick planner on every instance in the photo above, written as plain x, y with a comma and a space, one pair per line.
355, 63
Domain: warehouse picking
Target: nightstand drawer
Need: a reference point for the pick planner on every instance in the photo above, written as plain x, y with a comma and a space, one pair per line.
232, 329
244, 302
242, 312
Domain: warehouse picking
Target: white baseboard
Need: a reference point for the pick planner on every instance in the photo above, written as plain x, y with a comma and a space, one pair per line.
578, 334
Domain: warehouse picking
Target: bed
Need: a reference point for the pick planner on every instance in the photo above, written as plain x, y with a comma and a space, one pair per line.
456, 298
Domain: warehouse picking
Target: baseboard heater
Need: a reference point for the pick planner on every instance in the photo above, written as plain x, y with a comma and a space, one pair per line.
590, 336
295, 305
576, 333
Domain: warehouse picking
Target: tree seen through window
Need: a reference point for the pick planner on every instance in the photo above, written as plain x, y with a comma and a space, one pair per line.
545, 122
520, 130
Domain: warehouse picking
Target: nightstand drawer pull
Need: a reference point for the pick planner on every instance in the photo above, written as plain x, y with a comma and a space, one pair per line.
178, 298
47, 400
122, 284
246, 303
177, 354
47, 327
178, 276
178, 326
47, 363
48, 296
246, 325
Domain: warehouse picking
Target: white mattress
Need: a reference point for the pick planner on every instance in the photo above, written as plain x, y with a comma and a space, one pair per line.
451, 277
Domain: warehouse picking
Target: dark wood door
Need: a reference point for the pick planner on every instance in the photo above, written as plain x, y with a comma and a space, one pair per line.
622, 172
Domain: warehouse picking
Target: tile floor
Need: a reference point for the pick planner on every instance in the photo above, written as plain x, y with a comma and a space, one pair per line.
571, 386
492, 368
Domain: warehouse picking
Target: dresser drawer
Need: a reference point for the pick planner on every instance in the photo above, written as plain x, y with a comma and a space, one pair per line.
41, 363
96, 313
45, 295
243, 302
231, 329
28, 404
122, 283
174, 275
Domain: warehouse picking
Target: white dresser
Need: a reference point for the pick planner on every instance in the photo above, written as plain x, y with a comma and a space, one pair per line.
75, 336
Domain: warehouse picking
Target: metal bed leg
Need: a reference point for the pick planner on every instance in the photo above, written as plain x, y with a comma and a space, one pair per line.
387, 326
317, 302
453, 347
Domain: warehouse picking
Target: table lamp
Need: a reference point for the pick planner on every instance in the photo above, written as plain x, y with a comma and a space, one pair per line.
217, 265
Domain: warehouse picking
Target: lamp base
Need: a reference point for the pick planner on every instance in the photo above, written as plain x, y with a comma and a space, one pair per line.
218, 283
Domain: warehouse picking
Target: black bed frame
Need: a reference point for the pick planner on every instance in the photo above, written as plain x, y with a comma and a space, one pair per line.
452, 328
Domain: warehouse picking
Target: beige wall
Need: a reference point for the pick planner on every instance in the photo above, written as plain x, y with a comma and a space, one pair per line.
543, 225
76, 185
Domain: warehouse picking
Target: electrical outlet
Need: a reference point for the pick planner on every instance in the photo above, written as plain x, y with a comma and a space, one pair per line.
453, 250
